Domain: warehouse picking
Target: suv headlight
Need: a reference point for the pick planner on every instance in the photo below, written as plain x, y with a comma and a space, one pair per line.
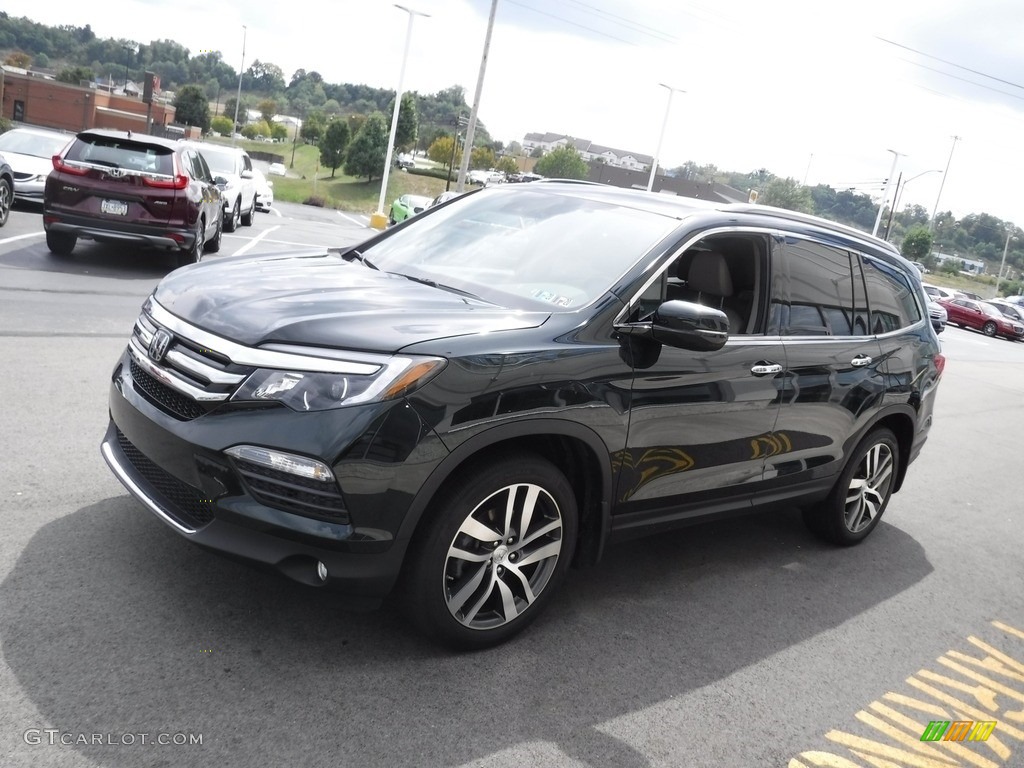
310, 391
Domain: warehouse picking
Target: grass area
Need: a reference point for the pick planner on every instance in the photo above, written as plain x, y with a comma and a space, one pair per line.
983, 285
345, 193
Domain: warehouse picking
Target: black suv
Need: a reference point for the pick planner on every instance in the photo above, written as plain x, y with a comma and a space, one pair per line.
473, 400
124, 187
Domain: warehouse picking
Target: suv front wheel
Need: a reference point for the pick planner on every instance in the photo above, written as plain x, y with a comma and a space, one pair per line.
497, 547
247, 216
860, 495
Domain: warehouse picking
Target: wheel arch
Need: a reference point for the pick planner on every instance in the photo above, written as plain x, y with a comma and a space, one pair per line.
575, 450
901, 423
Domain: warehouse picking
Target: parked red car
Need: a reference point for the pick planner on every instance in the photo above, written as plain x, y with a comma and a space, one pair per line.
968, 313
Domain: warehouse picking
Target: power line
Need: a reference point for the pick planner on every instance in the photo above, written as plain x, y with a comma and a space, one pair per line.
573, 23
962, 79
950, 63
642, 28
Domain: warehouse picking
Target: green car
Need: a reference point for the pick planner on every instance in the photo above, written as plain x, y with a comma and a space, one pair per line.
407, 206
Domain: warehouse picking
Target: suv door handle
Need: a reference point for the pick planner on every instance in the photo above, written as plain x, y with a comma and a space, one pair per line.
860, 361
765, 369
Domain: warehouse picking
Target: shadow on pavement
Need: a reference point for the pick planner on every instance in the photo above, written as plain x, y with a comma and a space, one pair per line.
112, 623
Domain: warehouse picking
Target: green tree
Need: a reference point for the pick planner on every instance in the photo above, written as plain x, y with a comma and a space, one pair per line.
405, 131
514, 148
313, 126
562, 163
74, 75
42, 60
917, 245
253, 130
786, 193
229, 109
278, 131
267, 108
441, 151
191, 107
506, 165
221, 125
18, 59
483, 157
333, 144
365, 155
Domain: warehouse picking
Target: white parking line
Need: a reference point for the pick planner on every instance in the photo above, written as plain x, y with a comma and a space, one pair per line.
20, 237
356, 221
274, 211
255, 240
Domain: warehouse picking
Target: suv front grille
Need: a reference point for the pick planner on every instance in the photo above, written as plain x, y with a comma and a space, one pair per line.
291, 493
178, 405
181, 499
181, 378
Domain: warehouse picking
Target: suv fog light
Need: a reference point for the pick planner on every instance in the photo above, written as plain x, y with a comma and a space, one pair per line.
321, 571
283, 462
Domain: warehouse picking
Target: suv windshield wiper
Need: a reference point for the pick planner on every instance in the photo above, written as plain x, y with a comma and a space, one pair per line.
441, 286
353, 254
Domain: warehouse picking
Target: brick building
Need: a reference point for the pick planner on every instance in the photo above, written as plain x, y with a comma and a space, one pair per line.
35, 100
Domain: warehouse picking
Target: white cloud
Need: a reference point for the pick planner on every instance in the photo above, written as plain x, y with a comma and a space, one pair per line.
768, 84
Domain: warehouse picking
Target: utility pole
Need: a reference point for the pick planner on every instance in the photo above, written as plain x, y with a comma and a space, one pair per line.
471, 130
945, 175
885, 190
238, 96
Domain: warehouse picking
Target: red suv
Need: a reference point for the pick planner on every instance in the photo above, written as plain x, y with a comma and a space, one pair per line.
121, 187
968, 313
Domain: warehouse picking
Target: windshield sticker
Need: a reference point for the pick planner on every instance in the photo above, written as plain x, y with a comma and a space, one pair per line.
551, 298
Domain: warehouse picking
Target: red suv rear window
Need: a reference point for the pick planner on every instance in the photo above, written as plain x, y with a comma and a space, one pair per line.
122, 153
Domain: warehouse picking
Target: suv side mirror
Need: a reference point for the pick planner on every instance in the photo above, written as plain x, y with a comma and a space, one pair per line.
246, 174
690, 326
220, 181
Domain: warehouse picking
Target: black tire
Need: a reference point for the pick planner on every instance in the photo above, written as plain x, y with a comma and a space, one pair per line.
231, 223
60, 243
989, 328
248, 215
195, 253
864, 488
213, 244
6, 200
465, 602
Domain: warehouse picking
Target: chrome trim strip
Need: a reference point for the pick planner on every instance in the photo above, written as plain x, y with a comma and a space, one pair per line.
356, 364
170, 379
122, 474
144, 334
211, 374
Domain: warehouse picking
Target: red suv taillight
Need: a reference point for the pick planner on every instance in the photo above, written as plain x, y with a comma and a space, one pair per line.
180, 181
940, 363
60, 165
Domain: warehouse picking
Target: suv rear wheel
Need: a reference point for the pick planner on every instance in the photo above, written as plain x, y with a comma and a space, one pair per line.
195, 253
212, 246
860, 495
231, 223
500, 542
60, 243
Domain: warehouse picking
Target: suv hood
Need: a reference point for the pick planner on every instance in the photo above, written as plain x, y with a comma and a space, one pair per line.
320, 299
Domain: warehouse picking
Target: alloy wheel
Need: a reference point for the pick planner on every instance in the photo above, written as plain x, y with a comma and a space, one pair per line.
5, 201
503, 556
869, 487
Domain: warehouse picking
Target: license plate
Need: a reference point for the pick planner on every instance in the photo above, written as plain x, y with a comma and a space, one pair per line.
115, 207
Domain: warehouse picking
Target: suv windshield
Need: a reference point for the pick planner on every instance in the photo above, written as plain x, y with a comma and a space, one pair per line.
524, 248
220, 162
121, 153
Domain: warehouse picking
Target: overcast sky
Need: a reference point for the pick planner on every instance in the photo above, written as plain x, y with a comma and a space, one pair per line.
810, 90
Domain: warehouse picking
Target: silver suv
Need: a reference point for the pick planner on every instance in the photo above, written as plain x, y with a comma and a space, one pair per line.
232, 170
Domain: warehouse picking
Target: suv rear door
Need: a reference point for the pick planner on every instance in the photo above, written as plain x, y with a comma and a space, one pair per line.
114, 178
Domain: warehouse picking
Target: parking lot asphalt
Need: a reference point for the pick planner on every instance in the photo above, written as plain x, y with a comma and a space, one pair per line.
740, 643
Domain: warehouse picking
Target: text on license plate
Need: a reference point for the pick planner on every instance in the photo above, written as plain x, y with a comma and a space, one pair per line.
116, 207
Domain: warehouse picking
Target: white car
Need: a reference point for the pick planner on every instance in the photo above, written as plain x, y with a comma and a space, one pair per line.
277, 169
264, 190
29, 152
484, 178
232, 170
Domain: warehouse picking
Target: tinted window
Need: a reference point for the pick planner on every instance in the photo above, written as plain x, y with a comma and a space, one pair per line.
115, 152
821, 297
890, 296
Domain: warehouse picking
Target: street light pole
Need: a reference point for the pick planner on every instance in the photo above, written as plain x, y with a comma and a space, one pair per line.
899, 190
1009, 236
467, 152
661, 137
129, 49
238, 96
945, 175
379, 220
885, 190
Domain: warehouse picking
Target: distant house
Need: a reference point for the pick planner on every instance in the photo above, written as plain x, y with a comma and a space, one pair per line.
589, 151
